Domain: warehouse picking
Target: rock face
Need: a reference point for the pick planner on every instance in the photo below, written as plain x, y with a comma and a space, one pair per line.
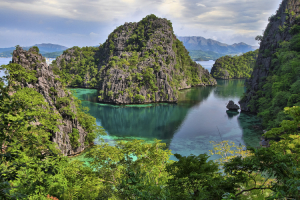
144, 62
278, 29
51, 88
139, 63
232, 106
236, 67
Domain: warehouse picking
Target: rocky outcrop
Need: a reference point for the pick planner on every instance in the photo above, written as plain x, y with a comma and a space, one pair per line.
280, 28
144, 62
139, 63
232, 106
52, 90
234, 67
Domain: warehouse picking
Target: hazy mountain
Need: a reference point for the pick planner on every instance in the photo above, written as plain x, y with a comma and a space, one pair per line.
200, 43
46, 49
7, 49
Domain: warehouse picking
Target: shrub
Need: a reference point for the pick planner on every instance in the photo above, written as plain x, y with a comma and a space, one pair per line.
139, 97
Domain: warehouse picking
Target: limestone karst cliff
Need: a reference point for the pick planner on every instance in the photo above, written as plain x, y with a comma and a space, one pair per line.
72, 137
139, 63
274, 82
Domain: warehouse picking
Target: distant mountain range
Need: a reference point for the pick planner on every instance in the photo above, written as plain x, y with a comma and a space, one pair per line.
200, 43
208, 48
199, 48
46, 49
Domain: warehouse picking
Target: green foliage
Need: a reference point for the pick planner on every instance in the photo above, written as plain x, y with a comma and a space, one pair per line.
280, 88
228, 151
83, 62
131, 170
194, 177
139, 97
37, 50
185, 64
74, 137
110, 93
236, 66
108, 85
20, 74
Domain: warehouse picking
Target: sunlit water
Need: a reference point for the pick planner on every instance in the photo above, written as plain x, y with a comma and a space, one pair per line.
187, 128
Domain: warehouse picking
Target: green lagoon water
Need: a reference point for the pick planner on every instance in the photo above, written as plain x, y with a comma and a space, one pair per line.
186, 127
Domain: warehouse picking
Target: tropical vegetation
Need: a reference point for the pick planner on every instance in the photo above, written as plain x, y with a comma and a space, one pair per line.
33, 168
236, 66
281, 88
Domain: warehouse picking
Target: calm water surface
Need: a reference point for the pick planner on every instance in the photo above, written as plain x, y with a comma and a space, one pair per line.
206, 64
186, 127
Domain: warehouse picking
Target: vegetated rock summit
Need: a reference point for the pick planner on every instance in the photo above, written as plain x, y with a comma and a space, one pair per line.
59, 99
139, 63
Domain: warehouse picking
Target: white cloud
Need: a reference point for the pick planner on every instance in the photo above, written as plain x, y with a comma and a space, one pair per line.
200, 4
221, 18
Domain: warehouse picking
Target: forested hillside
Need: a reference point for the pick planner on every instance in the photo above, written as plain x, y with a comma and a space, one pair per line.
228, 67
199, 55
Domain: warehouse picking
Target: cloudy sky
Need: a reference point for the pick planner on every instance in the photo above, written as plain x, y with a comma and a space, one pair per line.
89, 22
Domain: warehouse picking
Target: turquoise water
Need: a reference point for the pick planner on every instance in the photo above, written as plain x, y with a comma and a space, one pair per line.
187, 127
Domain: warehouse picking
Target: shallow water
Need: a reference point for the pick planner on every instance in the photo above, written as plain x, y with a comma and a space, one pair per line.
187, 127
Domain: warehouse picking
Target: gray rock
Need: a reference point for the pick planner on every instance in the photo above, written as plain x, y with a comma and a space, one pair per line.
232, 106
118, 83
31, 60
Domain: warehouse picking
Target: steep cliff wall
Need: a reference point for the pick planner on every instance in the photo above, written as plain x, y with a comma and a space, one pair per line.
72, 136
139, 63
144, 62
271, 86
231, 67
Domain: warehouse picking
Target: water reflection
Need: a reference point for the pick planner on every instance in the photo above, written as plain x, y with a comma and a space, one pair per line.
148, 121
230, 88
231, 113
187, 127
